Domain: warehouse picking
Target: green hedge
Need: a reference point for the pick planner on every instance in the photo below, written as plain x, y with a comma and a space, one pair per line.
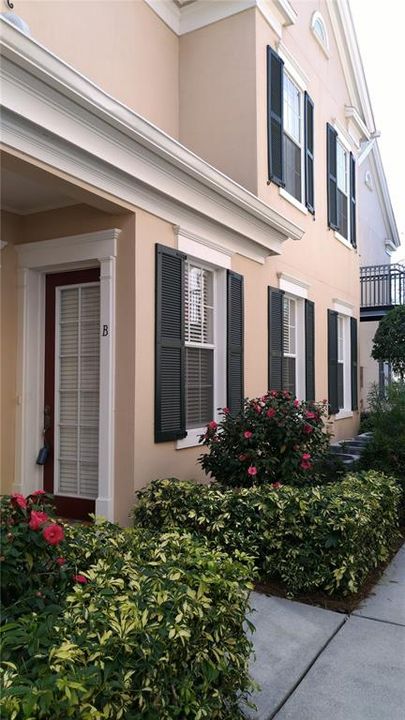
318, 538
152, 628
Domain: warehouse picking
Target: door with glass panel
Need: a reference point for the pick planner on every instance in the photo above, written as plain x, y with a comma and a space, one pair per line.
72, 387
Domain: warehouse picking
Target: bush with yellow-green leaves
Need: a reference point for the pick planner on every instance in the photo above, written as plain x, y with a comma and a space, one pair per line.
313, 538
152, 628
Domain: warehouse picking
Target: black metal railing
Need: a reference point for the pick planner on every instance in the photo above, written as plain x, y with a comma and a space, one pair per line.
382, 286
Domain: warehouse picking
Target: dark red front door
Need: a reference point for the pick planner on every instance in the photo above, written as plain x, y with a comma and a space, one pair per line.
72, 385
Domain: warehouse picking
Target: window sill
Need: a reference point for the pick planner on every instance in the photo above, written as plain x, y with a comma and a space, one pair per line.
192, 438
291, 199
344, 414
343, 240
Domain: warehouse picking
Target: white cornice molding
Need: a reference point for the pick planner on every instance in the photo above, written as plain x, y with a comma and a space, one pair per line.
200, 13
353, 114
60, 251
57, 116
168, 12
342, 307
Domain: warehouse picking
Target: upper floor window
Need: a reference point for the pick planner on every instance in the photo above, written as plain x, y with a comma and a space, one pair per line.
290, 131
319, 30
342, 162
292, 137
341, 186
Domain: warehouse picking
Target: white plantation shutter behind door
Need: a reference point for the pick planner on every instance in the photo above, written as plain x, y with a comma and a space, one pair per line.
77, 390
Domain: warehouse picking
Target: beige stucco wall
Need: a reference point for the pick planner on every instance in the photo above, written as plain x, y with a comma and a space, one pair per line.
217, 96
122, 46
10, 233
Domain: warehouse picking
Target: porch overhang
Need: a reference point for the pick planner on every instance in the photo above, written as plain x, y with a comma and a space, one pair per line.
59, 119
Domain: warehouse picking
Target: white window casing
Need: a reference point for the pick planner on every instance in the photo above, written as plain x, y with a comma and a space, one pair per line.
212, 336
345, 312
319, 30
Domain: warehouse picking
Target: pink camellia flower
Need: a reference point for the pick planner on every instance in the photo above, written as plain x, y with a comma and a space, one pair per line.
276, 485
80, 579
37, 519
247, 434
286, 394
60, 561
212, 425
296, 403
53, 534
226, 410
257, 408
274, 393
270, 412
19, 500
252, 470
38, 492
310, 415
306, 461
308, 428
264, 398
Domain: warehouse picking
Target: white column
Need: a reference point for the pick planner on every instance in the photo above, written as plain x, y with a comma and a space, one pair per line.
105, 500
30, 382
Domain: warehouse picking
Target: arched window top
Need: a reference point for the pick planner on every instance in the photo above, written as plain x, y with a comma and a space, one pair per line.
319, 30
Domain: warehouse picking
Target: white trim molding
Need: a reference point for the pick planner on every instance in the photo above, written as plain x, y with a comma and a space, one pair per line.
293, 286
199, 247
323, 44
34, 261
291, 199
200, 13
342, 307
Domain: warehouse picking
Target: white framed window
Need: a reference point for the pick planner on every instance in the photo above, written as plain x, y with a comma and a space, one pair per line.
320, 32
293, 137
294, 345
342, 178
343, 365
205, 341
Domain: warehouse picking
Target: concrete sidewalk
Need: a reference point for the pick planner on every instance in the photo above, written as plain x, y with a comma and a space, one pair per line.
313, 664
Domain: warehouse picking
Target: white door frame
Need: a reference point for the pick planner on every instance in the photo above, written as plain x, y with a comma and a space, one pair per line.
34, 261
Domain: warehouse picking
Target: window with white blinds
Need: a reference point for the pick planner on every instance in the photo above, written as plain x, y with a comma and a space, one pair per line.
199, 336
289, 344
77, 349
341, 360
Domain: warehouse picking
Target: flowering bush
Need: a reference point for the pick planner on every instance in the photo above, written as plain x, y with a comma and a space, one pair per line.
152, 628
32, 573
275, 438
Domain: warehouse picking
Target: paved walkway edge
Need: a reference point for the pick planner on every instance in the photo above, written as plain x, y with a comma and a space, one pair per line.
307, 669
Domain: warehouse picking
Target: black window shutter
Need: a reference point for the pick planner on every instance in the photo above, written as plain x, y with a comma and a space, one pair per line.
235, 335
331, 176
309, 350
275, 116
170, 407
309, 154
353, 347
275, 338
333, 361
353, 201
